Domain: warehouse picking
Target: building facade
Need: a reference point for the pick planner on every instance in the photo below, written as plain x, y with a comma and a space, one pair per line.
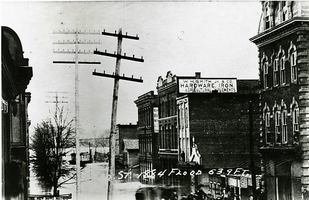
148, 130
214, 132
168, 139
16, 75
283, 44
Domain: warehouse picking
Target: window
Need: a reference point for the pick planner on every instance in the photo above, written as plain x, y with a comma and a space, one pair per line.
282, 70
284, 127
267, 16
284, 11
293, 65
276, 72
277, 126
265, 72
267, 124
295, 116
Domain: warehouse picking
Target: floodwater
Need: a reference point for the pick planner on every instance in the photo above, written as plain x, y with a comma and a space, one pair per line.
93, 185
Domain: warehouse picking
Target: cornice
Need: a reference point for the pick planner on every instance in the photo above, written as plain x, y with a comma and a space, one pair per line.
280, 31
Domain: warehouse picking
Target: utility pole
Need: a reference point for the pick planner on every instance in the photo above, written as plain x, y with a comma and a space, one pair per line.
76, 61
57, 101
251, 150
116, 77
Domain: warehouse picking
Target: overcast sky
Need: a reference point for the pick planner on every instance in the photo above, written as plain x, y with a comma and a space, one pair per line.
184, 37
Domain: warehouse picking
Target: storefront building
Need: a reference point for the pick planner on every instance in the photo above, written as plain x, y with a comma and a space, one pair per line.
148, 130
214, 132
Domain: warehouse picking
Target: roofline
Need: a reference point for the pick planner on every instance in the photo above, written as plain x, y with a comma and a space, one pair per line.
275, 28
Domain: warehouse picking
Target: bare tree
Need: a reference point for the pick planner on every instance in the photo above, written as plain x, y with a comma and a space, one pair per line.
51, 141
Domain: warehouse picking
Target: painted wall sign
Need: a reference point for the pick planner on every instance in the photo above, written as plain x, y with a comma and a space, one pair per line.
207, 85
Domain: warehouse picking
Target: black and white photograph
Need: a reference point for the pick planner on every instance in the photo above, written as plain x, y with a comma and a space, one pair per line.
154, 100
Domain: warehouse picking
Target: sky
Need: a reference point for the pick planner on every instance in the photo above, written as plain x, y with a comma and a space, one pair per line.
183, 37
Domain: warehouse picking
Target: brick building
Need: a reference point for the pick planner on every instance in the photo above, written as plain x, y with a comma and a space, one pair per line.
213, 130
168, 139
148, 129
283, 44
16, 75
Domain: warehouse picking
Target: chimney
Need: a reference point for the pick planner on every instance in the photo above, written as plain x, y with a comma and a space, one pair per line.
197, 74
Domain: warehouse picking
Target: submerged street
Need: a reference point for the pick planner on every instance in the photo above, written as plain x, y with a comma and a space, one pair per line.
93, 185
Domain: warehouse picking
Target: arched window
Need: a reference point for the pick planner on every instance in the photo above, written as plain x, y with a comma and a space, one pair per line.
282, 68
276, 71
267, 16
284, 128
277, 116
264, 66
284, 8
295, 116
295, 120
277, 13
293, 63
266, 117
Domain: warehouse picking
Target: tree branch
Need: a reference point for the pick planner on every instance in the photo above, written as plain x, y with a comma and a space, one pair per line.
59, 184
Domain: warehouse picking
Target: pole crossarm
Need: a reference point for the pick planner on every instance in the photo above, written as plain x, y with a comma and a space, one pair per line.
119, 56
72, 52
120, 35
80, 32
73, 62
117, 77
56, 102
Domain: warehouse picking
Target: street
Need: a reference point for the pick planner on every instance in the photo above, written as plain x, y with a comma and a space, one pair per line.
93, 185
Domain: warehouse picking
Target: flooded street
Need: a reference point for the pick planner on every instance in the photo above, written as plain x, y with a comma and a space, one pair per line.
93, 185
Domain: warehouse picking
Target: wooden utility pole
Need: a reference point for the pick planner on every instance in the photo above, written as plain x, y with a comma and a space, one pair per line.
76, 61
251, 150
112, 141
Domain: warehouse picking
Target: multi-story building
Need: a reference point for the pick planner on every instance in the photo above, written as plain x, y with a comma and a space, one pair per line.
148, 130
168, 139
215, 134
283, 44
16, 75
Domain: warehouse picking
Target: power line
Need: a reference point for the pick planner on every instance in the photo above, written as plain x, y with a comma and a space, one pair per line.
116, 77
76, 51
